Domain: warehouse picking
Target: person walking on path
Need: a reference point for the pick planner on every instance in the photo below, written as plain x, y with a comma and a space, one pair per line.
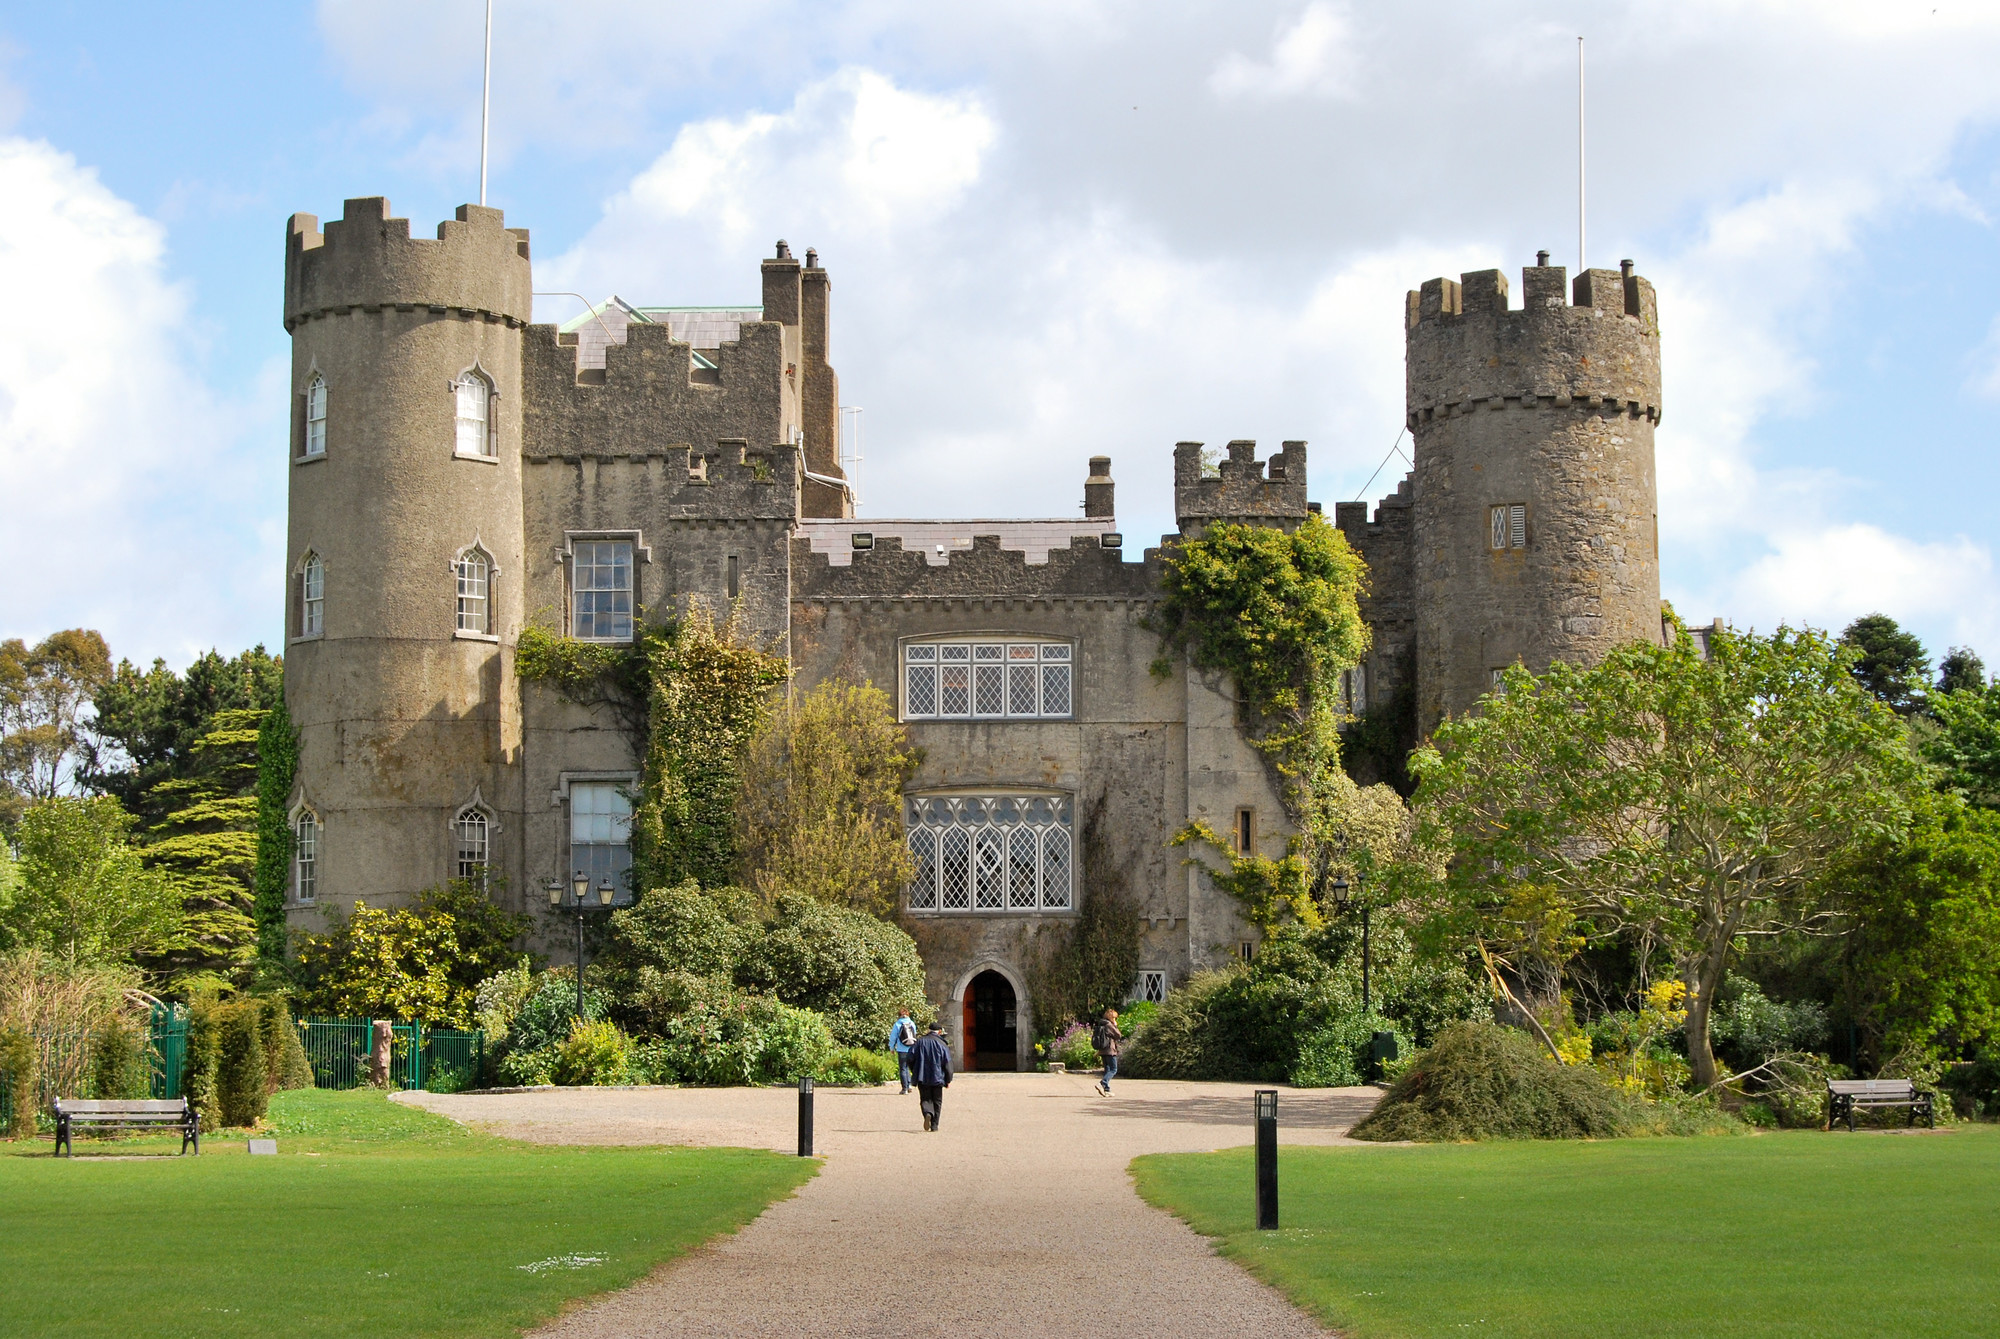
903, 1036
930, 1066
1104, 1039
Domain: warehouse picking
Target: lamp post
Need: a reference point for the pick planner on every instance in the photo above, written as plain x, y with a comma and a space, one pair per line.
580, 899
1340, 900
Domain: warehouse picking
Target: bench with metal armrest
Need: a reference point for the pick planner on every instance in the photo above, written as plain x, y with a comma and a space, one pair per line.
1846, 1096
173, 1113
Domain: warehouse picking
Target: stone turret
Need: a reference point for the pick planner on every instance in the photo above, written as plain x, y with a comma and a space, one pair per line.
1536, 529
405, 501
1243, 488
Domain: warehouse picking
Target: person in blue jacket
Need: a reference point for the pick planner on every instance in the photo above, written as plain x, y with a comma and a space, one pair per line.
903, 1036
930, 1066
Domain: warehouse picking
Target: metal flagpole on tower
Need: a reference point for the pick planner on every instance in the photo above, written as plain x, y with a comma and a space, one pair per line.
485, 101
1581, 263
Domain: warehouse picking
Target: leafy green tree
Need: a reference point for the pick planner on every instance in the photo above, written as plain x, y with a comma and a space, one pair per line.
423, 962
1686, 802
1889, 662
43, 691
150, 723
207, 837
1960, 670
820, 810
277, 766
1922, 956
84, 893
1966, 746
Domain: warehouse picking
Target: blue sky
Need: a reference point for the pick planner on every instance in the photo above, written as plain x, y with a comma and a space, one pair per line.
1055, 230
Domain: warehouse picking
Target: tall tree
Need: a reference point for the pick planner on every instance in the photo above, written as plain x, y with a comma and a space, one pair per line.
207, 838
1889, 662
84, 894
1966, 747
1683, 802
150, 722
1961, 670
43, 692
821, 808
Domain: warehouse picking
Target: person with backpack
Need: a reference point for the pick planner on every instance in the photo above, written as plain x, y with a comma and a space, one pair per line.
930, 1066
1104, 1039
903, 1036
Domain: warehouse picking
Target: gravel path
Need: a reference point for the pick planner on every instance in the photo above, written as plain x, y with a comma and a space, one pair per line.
1017, 1219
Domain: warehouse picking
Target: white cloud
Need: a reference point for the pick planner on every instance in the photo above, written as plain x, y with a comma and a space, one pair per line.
1314, 55
127, 508
1834, 574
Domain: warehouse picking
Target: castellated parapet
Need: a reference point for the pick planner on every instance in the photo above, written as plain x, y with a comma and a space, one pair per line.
367, 260
1536, 530
1243, 489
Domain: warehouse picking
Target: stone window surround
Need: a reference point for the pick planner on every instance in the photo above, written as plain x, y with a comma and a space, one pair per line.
1063, 798
988, 637
295, 598
476, 804
565, 564
302, 452
302, 806
1150, 984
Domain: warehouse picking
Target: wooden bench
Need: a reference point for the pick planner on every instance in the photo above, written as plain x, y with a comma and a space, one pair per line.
1845, 1096
175, 1113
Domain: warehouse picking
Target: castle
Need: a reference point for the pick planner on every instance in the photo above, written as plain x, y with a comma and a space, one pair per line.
460, 473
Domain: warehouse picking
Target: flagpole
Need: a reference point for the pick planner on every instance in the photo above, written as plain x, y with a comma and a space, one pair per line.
1582, 263
485, 101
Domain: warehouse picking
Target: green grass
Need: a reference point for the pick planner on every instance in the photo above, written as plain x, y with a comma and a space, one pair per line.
374, 1219
1802, 1233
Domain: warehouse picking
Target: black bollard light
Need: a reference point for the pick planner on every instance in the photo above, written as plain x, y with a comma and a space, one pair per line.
1267, 1159
805, 1118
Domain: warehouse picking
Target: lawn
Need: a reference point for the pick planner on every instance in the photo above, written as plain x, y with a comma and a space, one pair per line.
1799, 1233
373, 1219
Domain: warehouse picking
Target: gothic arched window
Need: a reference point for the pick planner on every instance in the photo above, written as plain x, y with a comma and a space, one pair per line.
310, 618
473, 572
472, 830
305, 855
315, 441
472, 397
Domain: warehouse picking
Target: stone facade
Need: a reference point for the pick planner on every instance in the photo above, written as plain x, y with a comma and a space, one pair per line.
619, 462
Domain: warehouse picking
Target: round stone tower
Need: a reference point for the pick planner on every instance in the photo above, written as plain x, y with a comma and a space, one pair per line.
404, 557
1536, 526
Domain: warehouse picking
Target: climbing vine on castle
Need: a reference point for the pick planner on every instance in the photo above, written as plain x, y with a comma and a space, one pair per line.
1280, 614
699, 690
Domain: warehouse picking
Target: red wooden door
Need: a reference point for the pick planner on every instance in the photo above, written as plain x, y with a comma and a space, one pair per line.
971, 1033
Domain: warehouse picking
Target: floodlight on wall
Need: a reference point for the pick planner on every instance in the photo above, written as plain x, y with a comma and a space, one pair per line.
1113, 540
862, 539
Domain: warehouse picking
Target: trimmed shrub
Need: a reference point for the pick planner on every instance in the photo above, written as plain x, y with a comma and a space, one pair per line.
595, 1052
242, 1076
17, 1069
284, 1053
724, 1039
852, 969
1483, 1081
857, 1067
118, 1068
1335, 1055
1175, 1044
198, 1062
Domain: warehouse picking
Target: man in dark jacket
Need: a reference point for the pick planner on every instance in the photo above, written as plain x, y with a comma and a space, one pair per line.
930, 1067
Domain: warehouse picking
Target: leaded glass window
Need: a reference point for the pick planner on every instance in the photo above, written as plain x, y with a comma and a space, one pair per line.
992, 853
471, 829
316, 417
305, 855
312, 596
474, 573
601, 590
987, 680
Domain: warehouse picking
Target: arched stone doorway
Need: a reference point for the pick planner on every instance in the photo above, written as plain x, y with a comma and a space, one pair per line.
991, 1023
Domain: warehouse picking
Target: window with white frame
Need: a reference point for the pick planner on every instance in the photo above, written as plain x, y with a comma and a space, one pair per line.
994, 853
989, 679
1150, 987
600, 831
473, 572
601, 590
305, 855
312, 597
1510, 525
471, 830
315, 442
472, 412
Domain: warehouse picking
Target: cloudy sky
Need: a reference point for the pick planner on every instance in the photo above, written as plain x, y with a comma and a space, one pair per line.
1054, 230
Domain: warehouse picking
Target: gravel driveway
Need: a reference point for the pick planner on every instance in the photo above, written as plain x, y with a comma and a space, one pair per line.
1016, 1219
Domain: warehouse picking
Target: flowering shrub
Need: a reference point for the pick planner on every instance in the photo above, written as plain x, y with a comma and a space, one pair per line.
595, 1052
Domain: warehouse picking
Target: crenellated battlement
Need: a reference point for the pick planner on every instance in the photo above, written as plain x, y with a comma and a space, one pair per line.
988, 569
1590, 345
726, 479
1243, 488
650, 395
365, 260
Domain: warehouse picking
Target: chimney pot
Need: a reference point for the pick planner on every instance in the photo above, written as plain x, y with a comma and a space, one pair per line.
1542, 259
1625, 268
784, 252
812, 259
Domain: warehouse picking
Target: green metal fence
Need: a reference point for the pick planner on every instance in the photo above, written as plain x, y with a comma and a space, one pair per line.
337, 1049
166, 1049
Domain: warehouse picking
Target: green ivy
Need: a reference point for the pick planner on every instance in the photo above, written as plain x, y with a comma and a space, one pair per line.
277, 766
1279, 613
708, 691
